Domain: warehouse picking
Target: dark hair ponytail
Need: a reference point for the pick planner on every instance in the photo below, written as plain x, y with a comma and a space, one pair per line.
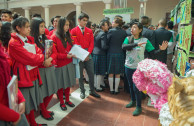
20, 22
36, 33
64, 37
5, 33
119, 21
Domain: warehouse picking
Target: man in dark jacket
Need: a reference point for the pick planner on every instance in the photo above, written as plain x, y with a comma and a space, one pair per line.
147, 33
162, 35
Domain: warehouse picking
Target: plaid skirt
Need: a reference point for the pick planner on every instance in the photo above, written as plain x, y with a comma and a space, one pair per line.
65, 76
115, 63
49, 82
33, 97
100, 63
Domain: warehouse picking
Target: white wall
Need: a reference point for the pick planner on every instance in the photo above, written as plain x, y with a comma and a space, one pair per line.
156, 9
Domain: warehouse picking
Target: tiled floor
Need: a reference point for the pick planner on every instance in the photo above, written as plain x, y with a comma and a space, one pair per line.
108, 111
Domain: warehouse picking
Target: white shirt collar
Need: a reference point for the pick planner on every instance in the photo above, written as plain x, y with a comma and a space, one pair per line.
80, 27
22, 38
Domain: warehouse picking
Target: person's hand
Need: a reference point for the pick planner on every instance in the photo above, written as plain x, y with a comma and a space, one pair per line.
87, 58
69, 56
47, 62
21, 108
141, 43
16, 122
164, 45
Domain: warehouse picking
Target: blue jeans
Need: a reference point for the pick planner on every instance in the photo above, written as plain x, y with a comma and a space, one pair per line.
134, 92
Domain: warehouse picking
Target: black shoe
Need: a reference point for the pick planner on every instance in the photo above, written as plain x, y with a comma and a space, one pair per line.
70, 104
120, 87
112, 92
102, 86
52, 113
50, 118
95, 94
117, 92
42, 125
99, 90
82, 95
63, 108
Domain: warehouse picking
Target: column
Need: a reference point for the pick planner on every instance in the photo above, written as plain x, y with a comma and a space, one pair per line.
46, 12
142, 8
78, 10
107, 4
143, 2
27, 12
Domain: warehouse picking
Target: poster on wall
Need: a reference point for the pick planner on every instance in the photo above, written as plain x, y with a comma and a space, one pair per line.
185, 38
181, 62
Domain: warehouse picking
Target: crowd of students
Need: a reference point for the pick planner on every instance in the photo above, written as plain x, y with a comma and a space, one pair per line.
112, 51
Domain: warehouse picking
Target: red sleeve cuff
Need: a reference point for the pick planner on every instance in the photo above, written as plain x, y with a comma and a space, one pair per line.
8, 114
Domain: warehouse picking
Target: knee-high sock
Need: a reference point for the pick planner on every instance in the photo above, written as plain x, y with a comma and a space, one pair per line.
47, 100
95, 80
32, 118
110, 79
67, 92
117, 81
44, 112
60, 95
99, 79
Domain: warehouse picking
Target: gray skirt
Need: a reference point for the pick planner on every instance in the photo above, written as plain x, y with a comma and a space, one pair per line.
22, 122
33, 97
49, 82
65, 76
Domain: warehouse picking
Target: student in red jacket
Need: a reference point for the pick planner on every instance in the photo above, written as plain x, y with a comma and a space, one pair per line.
65, 69
29, 81
83, 36
8, 115
47, 73
5, 36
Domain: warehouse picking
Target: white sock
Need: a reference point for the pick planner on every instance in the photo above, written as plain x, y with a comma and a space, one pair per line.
110, 83
102, 80
117, 81
98, 78
95, 81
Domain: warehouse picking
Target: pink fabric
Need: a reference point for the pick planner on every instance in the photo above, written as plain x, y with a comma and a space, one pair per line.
154, 77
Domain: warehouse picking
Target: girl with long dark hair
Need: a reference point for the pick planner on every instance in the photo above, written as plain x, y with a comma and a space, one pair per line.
65, 70
29, 80
47, 74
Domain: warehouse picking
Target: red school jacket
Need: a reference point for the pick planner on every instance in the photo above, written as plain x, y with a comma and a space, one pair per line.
86, 41
7, 114
53, 55
21, 57
62, 52
52, 32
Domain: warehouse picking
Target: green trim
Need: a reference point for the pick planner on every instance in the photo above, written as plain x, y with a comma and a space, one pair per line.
137, 39
130, 68
118, 11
